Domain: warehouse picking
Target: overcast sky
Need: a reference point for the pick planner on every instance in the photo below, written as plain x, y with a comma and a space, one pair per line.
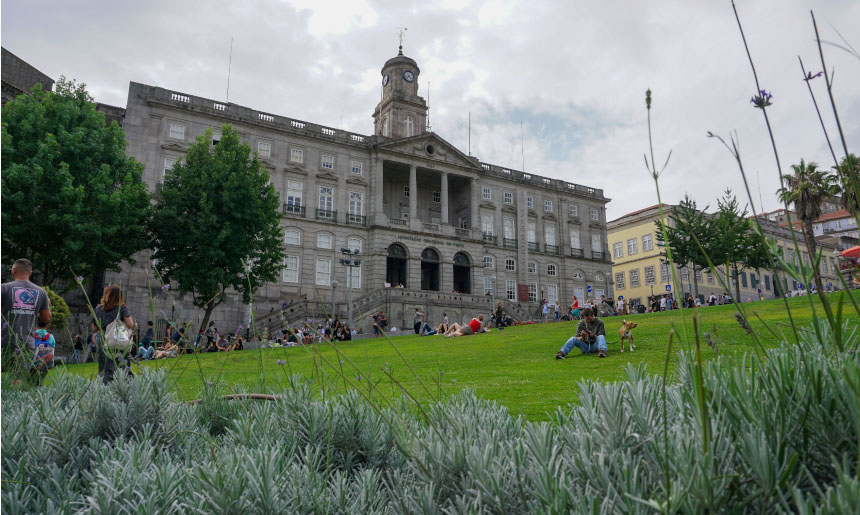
574, 73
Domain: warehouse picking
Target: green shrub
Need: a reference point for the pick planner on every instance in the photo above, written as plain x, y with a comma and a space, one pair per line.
783, 436
59, 312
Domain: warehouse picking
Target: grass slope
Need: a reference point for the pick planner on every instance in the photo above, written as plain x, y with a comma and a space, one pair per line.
514, 366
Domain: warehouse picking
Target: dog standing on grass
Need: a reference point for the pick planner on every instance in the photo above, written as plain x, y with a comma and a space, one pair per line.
626, 333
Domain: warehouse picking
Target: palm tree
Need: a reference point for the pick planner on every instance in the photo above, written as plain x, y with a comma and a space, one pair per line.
807, 188
849, 175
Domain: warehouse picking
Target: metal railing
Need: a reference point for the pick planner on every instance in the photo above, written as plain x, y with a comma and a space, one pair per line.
576, 253
534, 246
550, 249
509, 243
489, 239
294, 210
326, 214
356, 219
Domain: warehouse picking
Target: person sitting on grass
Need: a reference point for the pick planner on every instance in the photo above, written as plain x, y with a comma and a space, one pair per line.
167, 350
222, 344
473, 327
590, 337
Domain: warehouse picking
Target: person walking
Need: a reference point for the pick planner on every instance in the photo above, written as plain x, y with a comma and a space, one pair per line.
545, 311
111, 309
78, 347
557, 311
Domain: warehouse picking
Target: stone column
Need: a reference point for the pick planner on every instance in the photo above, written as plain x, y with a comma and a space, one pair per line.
413, 193
444, 199
377, 181
476, 222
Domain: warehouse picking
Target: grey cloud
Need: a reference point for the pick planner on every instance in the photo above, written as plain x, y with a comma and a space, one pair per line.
586, 62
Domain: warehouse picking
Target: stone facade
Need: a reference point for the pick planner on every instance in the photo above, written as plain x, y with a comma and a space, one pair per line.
19, 76
421, 212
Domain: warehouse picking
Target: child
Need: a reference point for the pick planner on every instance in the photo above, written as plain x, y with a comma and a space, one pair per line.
45, 345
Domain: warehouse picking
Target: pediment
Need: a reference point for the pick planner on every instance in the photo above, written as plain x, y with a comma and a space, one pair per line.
509, 209
327, 176
442, 151
267, 163
295, 169
174, 146
487, 204
356, 180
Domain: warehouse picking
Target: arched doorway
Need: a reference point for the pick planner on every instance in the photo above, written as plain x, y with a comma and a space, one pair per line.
430, 270
395, 265
462, 273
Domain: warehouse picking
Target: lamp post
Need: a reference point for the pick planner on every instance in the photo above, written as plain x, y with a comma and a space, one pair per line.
350, 264
333, 298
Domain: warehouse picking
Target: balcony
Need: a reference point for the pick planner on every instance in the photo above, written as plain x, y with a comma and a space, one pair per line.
489, 239
356, 219
294, 210
509, 243
577, 253
467, 233
551, 249
599, 256
327, 215
431, 227
534, 246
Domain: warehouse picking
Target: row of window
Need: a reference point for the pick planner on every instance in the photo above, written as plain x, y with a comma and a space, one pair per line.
322, 272
650, 276
511, 266
508, 198
324, 240
549, 232
295, 194
632, 246
511, 290
264, 149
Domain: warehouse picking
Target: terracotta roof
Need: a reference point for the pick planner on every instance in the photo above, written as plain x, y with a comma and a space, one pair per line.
842, 213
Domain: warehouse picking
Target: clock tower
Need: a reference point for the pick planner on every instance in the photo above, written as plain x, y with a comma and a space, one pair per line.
401, 113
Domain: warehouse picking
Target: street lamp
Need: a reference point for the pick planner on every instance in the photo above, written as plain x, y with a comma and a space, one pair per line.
333, 298
350, 264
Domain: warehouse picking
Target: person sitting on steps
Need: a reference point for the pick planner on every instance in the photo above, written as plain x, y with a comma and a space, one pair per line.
590, 337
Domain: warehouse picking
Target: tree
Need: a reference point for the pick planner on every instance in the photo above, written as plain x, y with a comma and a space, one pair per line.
73, 201
215, 224
735, 242
687, 221
807, 188
848, 172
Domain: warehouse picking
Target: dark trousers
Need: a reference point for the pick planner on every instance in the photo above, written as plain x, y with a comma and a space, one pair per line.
108, 366
417, 326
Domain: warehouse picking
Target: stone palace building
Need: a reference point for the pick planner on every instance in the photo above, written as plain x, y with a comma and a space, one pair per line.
435, 228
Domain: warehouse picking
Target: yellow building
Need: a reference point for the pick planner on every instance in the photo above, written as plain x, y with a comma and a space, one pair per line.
638, 271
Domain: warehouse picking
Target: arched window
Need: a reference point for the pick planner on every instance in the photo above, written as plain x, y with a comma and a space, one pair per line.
461, 259
292, 237
354, 244
410, 126
396, 251
430, 256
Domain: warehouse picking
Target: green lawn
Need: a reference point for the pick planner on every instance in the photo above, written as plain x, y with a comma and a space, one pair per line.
514, 366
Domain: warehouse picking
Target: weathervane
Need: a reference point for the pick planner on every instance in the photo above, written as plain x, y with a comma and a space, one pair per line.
401, 32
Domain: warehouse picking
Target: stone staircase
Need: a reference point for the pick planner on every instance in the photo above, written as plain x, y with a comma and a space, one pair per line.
397, 304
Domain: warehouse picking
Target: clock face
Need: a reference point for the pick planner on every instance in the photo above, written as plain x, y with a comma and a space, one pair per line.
385, 80
408, 76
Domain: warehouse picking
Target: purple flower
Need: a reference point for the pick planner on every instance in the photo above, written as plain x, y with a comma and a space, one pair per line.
386, 363
810, 76
762, 100
453, 381
165, 287
341, 362
358, 378
79, 279
281, 362
238, 328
